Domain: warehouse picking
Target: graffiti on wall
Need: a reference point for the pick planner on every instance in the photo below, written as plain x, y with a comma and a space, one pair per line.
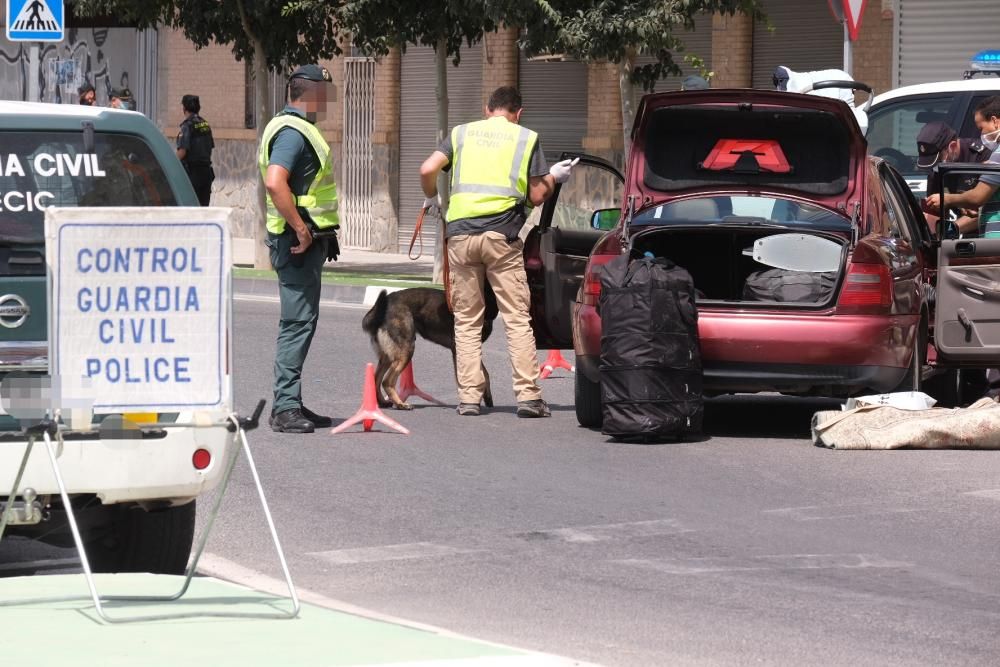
102, 57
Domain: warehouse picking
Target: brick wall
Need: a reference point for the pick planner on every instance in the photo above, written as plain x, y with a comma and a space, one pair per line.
385, 154
214, 74
211, 73
873, 48
604, 112
332, 124
500, 60
732, 51
387, 73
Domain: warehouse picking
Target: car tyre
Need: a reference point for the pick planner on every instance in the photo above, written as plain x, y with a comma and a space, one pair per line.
589, 412
135, 540
957, 388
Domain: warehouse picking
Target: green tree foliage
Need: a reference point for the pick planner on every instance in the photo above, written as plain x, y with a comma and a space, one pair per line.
305, 37
258, 31
376, 26
617, 30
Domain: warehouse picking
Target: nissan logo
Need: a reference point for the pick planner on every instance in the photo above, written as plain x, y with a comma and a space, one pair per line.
14, 310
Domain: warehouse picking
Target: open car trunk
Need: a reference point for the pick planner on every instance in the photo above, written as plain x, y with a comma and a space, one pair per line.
799, 269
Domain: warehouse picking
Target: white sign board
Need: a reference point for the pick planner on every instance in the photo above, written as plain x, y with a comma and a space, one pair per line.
139, 307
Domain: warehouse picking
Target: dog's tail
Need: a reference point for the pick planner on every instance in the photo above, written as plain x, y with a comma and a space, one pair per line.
375, 317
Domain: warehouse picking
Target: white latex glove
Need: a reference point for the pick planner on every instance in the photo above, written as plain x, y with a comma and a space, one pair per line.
560, 171
432, 202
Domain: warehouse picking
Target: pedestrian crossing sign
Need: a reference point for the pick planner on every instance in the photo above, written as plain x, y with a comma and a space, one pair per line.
35, 20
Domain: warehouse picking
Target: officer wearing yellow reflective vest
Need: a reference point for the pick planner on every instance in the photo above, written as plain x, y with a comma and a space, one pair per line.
297, 167
498, 171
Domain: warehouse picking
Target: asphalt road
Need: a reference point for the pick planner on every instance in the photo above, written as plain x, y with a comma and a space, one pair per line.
750, 547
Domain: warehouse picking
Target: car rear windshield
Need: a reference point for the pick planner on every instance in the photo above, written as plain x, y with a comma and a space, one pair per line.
740, 209
813, 147
42, 169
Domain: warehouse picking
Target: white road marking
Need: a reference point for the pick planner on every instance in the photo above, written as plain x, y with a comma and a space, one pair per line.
612, 531
828, 512
372, 292
389, 552
330, 303
992, 494
777, 562
227, 570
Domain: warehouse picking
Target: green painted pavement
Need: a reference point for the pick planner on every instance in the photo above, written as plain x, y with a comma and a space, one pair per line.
71, 633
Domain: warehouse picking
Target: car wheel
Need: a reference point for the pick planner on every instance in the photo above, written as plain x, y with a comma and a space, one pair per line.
956, 388
135, 540
588, 401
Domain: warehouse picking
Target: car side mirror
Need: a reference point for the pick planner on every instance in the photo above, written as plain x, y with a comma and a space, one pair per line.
605, 219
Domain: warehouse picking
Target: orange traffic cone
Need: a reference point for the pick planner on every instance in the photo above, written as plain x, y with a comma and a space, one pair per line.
553, 361
369, 412
407, 387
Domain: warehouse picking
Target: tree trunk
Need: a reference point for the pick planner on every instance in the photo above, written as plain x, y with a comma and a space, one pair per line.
441, 67
262, 85
261, 254
627, 93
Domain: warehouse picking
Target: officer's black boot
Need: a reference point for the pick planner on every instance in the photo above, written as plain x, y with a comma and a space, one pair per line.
318, 420
291, 421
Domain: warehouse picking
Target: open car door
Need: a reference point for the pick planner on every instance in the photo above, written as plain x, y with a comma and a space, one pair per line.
557, 248
967, 306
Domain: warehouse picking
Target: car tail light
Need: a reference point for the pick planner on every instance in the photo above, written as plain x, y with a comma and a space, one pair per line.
201, 459
867, 286
591, 292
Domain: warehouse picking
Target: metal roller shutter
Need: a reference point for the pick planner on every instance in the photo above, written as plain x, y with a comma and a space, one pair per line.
937, 39
696, 43
418, 122
806, 37
555, 103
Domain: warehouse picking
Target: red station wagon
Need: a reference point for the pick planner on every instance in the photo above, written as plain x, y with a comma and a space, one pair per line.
730, 183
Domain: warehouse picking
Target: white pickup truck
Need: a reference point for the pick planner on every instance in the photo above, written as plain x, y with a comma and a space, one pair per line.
133, 488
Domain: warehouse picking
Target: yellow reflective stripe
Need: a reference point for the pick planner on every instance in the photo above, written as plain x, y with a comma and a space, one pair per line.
457, 144
480, 188
519, 153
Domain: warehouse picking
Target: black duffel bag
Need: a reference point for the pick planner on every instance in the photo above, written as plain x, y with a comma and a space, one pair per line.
786, 286
651, 381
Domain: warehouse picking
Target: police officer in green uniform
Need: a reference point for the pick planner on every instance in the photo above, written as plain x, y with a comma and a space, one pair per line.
194, 148
297, 167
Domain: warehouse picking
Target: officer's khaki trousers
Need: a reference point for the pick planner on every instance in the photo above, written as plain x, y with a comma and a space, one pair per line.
473, 258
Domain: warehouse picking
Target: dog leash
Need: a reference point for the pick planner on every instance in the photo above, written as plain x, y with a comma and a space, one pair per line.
418, 232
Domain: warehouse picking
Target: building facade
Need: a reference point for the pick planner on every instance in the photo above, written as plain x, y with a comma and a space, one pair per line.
381, 124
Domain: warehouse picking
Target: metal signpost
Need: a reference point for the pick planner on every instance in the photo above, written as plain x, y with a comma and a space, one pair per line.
848, 13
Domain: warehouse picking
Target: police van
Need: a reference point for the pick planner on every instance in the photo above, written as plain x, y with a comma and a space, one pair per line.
133, 487
897, 116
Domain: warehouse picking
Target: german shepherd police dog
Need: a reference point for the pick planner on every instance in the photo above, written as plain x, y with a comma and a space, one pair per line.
393, 324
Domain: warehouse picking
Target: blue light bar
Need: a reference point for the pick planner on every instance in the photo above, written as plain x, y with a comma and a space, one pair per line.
986, 61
